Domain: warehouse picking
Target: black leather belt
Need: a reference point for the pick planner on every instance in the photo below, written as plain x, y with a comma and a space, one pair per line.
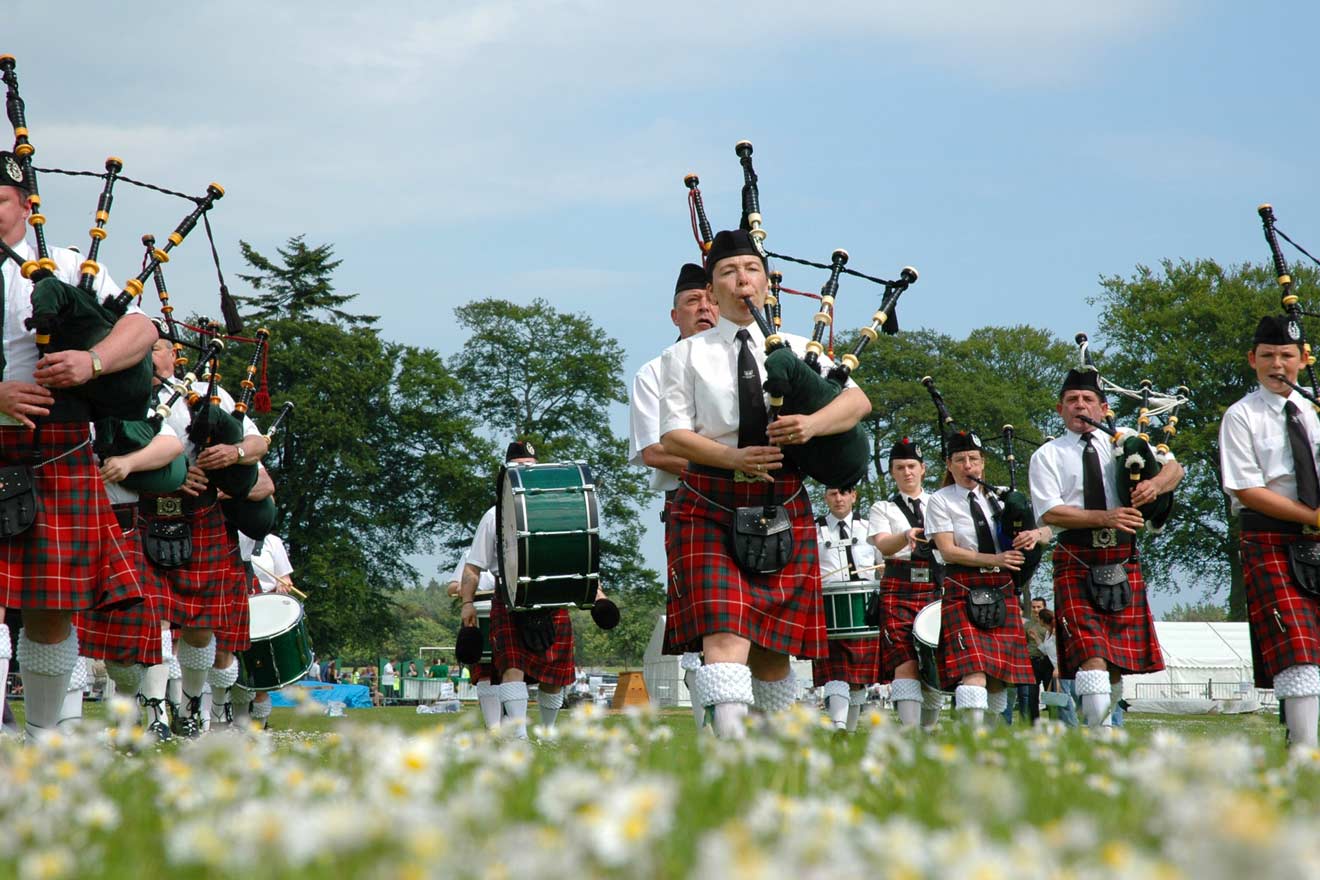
709, 471
1094, 539
1251, 521
917, 572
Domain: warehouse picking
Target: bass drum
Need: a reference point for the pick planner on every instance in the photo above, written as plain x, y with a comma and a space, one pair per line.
281, 652
926, 639
845, 609
548, 533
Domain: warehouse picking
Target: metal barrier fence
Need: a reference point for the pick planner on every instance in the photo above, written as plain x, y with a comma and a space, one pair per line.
1203, 690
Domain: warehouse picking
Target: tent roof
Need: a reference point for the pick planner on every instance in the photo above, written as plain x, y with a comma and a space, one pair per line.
1204, 645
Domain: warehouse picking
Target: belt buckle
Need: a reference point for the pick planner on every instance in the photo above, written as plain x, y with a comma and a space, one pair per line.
1102, 539
169, 507
1310, 531
740, 477
919, 575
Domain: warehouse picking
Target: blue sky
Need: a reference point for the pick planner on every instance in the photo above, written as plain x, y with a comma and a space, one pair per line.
1013, 153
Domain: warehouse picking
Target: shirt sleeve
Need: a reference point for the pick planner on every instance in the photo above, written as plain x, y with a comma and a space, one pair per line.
1043, 477
878, 522
482, 554
1237, 455
643, 415
678, 409
938, 517
279, 557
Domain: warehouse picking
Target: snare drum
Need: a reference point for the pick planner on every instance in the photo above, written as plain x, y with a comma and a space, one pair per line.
548, 530
281, 651
926, 638
845, 609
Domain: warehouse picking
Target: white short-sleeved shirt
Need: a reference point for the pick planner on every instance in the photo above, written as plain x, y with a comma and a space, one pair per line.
644, 422
834, 548
699, 380
485, 582
180, 417
1254, 451
950, 511
483, 553
271, 564
1056, 471
886, 518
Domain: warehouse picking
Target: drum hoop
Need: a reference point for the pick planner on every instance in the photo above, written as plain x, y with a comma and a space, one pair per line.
843, 588
302, 616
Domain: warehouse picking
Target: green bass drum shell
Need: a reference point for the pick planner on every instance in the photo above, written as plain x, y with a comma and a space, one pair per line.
547, 529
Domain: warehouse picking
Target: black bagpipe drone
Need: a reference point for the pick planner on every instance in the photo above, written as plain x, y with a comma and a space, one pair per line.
796, 385
1013, 507
1138, 460
1290, 302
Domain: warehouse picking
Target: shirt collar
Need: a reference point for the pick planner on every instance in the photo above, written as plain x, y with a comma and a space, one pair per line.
728, 331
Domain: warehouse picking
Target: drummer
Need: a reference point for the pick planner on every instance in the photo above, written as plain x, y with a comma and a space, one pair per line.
846, 555
912, 573
273, 573
983, 643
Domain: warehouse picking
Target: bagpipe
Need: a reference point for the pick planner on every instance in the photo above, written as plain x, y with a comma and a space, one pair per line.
1012, 506
1289, 300
796, 386
1136, 456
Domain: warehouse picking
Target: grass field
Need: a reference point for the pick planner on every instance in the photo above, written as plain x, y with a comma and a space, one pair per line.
389, 793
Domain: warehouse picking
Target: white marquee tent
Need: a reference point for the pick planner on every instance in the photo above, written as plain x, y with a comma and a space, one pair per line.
1203, 661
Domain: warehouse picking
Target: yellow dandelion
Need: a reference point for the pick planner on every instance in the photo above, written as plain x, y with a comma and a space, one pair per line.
1115, 854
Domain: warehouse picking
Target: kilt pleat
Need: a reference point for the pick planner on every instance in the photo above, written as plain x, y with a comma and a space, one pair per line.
900, 602
236, 635
1126, 639
555, 666
781, 612
200, 590
72, 557
964, 648
1284, 621
856, 661
127, 635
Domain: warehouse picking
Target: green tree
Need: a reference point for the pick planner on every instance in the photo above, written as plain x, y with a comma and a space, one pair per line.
379, 461
1207, 612
299, 287
1190, 323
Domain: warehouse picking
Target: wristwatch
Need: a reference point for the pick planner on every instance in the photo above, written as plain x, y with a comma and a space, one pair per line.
96, 362
239, 448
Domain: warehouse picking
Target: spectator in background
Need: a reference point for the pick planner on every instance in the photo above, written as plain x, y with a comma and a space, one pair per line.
387, 679
1029, 694
330, 673
439, 669
1050, 649
314, 672
412, 669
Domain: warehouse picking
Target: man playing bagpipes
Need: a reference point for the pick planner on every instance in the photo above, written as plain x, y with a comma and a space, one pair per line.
1103, 622
693, 311
61, 550
744, 570
188, 538
911, 582
846, 554
524, 646
983, 643
1267, 444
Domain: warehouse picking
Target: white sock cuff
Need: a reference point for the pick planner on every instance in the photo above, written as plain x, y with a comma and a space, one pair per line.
904, 689
191, 657
57, 659
931, 698
126, 678
6, 652
970, 696
222, 679
486, 689
547, 700
724, 683
1297, 681
857, 697
261, 711
513, 690
1091, 681
996, 701
81, 676
689, 660
834, 689
774, 696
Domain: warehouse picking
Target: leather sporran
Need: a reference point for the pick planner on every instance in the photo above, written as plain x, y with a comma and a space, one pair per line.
986, 608
18, 500
536, 629
1107, 587
762, 538
1304, 559
168, 542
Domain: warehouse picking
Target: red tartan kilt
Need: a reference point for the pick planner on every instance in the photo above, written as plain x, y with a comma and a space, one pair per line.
72, 558
237, 634
964, 648
856, 661
900, 602
555, 666
1285, 622
781, 612
127, 635
483, 671
1125, 640
199, 590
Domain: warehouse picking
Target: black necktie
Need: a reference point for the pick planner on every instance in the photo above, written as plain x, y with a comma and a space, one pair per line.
752, 417
985, 539
1308, 489
853, 574
916, 512
1093, 483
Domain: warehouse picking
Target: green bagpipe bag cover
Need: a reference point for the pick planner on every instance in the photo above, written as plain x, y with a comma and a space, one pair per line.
834, 460
211, 426
77, 322
256, 519
1136, 459
120, 437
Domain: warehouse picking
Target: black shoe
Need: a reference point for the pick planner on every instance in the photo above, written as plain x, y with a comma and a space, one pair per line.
161, 731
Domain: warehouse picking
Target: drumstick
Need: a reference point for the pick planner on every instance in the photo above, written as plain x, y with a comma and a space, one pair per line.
283, 581
859, 571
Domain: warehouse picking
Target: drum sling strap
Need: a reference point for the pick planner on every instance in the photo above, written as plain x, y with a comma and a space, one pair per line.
18, 497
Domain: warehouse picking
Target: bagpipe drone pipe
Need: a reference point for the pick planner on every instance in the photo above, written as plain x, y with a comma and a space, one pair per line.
1291, 303
1138, 460
796, 386
1013, 508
